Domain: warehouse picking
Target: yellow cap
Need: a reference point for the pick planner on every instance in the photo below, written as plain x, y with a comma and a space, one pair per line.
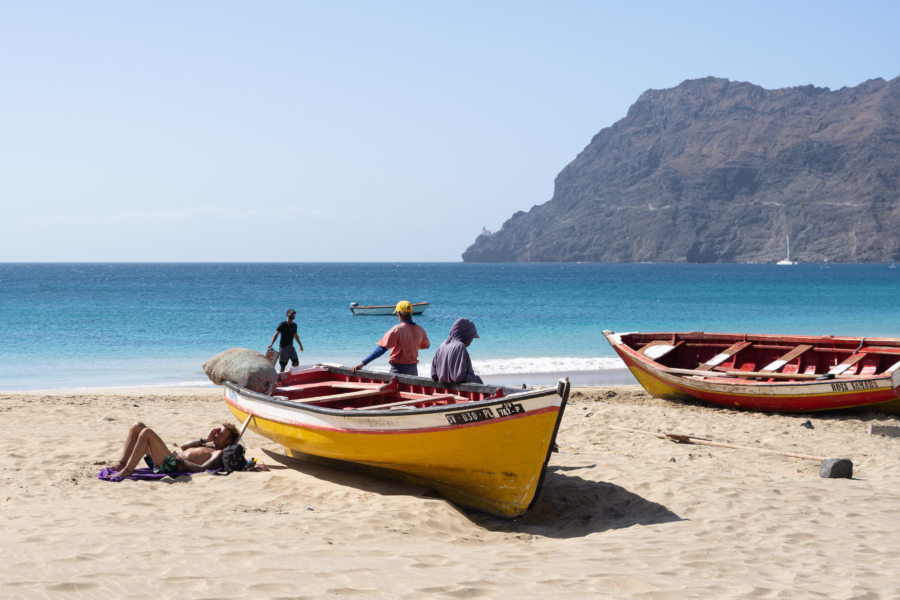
403, 306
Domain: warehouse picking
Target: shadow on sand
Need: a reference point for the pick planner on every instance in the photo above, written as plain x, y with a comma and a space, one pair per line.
569, 506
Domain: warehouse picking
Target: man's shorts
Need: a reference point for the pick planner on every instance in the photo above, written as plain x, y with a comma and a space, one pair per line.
288, 353
169, 464
405, 369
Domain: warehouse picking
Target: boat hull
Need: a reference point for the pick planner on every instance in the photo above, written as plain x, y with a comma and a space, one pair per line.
773, 391
487, 454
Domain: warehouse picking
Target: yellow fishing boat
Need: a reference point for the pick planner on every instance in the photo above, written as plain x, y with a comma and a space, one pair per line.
481, 446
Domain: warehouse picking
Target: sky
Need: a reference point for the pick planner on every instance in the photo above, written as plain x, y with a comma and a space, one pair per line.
353, 130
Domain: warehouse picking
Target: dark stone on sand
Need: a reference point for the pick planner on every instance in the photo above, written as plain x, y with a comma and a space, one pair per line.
834, 468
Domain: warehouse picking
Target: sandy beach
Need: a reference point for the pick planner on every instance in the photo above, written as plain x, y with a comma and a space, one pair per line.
621, 515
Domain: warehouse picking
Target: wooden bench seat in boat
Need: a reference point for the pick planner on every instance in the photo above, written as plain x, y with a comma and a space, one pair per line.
783, 361
848, 366
658, 348
718, 359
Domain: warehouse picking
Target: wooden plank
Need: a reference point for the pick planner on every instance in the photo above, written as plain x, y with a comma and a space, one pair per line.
848, 362
345, 385
343, 396
777, 364
761, 375
356, 385
881, 350
743, 374
718, 359
424, 399
658, 348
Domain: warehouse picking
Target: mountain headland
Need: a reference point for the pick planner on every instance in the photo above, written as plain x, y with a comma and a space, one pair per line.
721, 171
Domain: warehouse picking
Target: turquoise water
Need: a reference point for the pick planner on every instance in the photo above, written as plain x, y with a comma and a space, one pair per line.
94, 325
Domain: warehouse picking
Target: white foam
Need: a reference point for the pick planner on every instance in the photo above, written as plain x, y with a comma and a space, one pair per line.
161, 375
545, 364
527, 364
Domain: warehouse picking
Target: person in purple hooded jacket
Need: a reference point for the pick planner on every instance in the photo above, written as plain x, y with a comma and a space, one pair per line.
451, 363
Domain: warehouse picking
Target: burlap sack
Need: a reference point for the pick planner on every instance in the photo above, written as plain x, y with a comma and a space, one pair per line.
247, 368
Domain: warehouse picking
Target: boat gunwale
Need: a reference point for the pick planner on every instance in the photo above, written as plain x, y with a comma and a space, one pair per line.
706, 335
406, 379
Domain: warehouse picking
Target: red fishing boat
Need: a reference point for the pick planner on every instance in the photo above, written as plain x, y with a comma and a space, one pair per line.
778, 373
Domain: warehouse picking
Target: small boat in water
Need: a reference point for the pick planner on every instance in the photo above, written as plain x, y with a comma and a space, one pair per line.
481, 446
357, 309
778, 373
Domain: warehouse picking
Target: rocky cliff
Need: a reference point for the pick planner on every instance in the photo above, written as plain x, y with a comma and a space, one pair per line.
720, 171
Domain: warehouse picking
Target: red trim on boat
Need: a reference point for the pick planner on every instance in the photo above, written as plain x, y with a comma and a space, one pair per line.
448, 427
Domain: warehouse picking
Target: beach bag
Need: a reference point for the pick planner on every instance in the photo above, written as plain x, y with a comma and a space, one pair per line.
272, 355
247, 368
233, 458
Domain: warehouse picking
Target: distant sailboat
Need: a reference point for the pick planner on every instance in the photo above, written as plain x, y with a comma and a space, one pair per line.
787, 261
892, 265
825, 264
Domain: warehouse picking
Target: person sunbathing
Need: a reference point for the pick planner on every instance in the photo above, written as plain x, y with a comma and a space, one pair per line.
194, 456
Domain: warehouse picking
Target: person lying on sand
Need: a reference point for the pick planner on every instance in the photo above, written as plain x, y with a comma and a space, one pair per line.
195, 456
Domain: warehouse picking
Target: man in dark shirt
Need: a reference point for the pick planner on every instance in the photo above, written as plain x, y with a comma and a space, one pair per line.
288, 332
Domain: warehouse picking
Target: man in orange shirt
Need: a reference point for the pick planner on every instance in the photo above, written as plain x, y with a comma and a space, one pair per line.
404, 340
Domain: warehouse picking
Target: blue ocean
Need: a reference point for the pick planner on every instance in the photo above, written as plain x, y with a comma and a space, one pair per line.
72, 325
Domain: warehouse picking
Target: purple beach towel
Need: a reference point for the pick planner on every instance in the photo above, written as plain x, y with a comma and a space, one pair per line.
140, 474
